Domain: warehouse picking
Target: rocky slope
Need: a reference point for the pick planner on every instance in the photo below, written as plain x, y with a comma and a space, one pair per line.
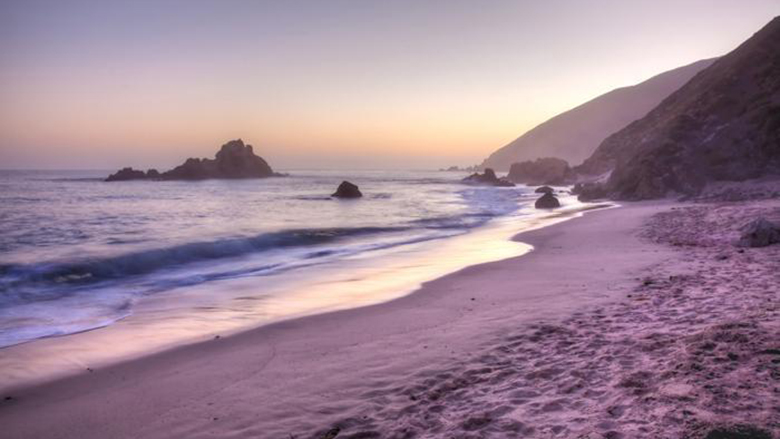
575, 134
233, 160
723, 125
546, 170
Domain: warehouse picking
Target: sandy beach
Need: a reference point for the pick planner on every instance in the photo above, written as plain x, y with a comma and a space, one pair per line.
639, 321
390, 220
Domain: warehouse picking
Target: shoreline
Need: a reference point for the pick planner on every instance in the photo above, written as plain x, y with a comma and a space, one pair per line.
452, 293
590, 335
195, 315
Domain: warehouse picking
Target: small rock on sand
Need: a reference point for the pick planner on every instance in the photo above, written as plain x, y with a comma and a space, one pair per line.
677, 390
759, 233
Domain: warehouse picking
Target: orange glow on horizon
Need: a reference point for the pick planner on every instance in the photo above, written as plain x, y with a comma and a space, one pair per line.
116, 85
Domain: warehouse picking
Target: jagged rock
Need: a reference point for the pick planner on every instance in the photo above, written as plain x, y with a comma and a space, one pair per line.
126, 174
759, 233
347, 190
191, 169
547, 201
487, 178
547, 170
544, 190
233, 160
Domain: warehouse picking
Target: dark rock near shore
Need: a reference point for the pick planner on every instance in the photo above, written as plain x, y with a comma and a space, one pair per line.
547, 201
759, 233
547, 170
487, 178
347, 190
544, 190
233, 160
589, 191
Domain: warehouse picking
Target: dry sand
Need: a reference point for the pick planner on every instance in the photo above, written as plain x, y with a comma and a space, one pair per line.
642, 321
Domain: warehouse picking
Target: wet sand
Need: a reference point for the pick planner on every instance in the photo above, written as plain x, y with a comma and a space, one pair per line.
642, 321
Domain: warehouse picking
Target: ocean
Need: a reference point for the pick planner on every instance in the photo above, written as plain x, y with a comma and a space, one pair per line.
182, 260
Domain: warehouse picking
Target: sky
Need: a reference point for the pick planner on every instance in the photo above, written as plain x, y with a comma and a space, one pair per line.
327, 84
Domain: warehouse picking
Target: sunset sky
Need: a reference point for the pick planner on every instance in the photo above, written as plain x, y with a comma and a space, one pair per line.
337, 84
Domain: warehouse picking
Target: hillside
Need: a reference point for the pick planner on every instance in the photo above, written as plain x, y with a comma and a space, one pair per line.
575, 134
723, 125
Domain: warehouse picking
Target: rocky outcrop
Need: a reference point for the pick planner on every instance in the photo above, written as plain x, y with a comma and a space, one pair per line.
487, 178
547, 170
544, 190
126, 174
347, 190
575, 134
233, 160
547, 201
589, 191
759, 233
723, 125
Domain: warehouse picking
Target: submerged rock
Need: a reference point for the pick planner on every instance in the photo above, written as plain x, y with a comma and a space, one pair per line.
233, 160
759, 233
347, 190
547, 201
487, 178
544, 190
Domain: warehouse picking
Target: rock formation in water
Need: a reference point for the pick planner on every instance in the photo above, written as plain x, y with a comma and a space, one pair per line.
723, 125
347, 190
487, 178
544, 190
126, 174
575, 134
233, 160
547, 170
547, 201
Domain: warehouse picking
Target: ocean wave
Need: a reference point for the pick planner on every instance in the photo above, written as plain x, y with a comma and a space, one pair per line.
147, 261
136, 243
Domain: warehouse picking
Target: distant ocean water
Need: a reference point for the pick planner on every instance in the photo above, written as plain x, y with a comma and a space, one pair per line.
78, 253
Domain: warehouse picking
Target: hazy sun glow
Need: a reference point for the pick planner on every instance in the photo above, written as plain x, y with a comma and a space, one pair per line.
96, 84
